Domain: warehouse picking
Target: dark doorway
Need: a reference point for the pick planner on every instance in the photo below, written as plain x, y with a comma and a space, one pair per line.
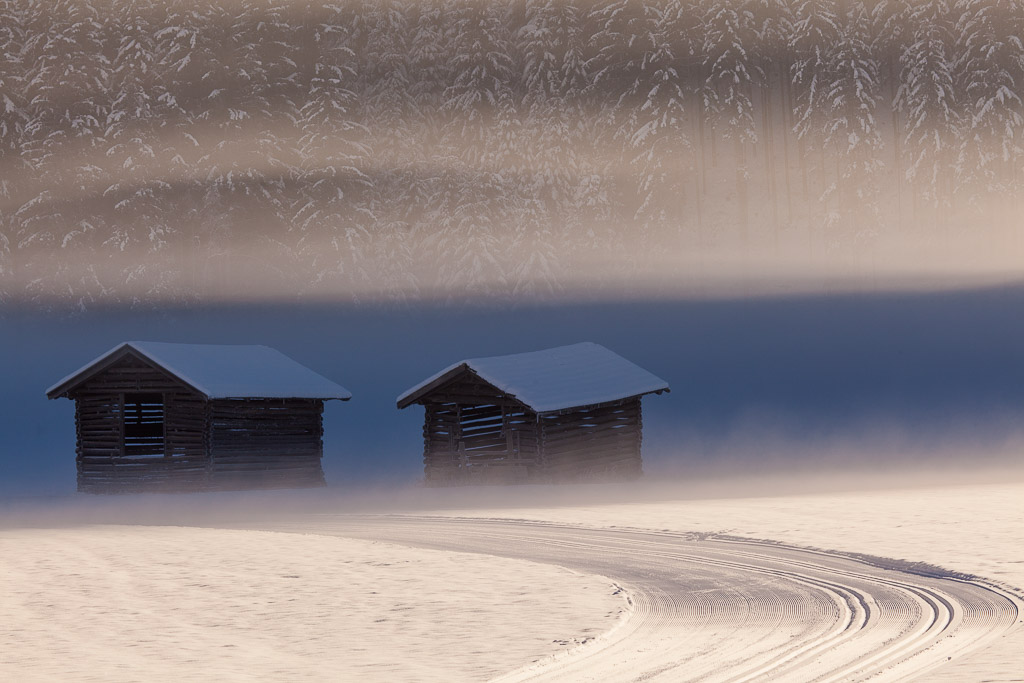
143, 424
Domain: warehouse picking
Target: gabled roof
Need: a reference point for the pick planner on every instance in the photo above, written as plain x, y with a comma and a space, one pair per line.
218, 371
552, 380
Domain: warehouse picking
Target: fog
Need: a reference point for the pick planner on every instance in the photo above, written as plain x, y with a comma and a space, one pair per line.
861, 383
808, 222
161, 152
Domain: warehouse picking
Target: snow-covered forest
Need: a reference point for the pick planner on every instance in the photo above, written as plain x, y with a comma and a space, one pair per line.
190, 149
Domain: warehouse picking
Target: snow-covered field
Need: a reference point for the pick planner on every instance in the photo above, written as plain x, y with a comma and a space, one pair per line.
250, 592
142, 603
974, 529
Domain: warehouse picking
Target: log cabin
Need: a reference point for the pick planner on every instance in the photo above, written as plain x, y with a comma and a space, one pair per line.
153, 416
565, 414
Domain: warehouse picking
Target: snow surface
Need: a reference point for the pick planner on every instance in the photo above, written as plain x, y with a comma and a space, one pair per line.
975, 529
171, 603
229, 371
124, 603
556, 379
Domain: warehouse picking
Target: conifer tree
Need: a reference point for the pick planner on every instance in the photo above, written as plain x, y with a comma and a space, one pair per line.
988, 78
928, 101
728, 28
850, 99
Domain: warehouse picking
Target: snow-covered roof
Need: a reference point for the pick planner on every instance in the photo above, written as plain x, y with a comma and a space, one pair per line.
219, 371
555, 379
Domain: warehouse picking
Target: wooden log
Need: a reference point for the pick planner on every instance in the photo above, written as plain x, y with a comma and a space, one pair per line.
591, 451
572, 425
590, 432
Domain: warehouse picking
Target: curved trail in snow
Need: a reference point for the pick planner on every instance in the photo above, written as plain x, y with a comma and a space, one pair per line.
726, 610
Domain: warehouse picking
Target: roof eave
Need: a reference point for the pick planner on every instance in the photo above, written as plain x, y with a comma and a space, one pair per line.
589, 406
279, 398
408, 399
60, 389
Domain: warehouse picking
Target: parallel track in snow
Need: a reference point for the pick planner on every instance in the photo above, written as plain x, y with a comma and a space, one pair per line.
727, 610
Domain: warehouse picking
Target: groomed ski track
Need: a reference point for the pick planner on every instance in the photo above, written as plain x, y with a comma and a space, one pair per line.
703, 608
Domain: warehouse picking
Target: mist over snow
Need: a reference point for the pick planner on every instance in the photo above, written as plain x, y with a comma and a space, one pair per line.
805, 216
788, 384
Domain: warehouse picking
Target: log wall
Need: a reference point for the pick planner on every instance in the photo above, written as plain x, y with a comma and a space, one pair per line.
601, 443
266, 443
474, 433
104, 463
